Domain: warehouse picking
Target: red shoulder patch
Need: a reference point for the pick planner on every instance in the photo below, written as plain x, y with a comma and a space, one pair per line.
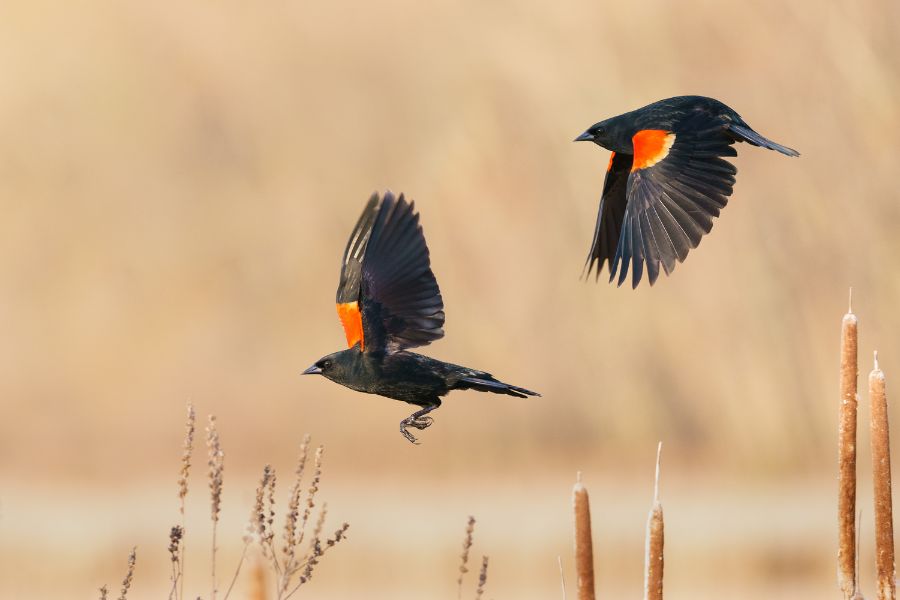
650, 147
351, 319
612, 155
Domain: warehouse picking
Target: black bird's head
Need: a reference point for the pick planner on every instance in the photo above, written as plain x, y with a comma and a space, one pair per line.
337, 367
609, 134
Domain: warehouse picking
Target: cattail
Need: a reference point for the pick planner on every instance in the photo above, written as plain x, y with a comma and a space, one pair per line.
482, 578
857, 595
881, 474
464, 557
216, 464
847, 456
584, 552
129, 575
653, 565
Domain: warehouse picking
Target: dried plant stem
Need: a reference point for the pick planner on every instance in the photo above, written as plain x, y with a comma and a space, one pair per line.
584, 552
482, 578
129, 575
216, 465
654, 563
881, 474
464, 556
186, 455
237, 570
562, 576
847, 457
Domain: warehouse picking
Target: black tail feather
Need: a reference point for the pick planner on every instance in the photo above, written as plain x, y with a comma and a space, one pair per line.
486, 383
744, 133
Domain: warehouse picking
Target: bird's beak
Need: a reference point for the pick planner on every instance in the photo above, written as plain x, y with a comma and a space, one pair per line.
587, 136
313, 370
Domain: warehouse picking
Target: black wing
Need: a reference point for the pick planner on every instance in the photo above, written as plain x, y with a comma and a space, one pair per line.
678, 183
611, 213
388, 298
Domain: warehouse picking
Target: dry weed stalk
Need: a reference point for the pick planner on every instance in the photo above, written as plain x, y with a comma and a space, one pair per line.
216, 464
584, 552
104, 593
129, 575
847, 456
176, 546
464, 557
881, 475
654, 563
291, 569
482, 578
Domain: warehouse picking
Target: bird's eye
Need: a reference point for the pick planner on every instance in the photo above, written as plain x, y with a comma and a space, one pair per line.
326, 364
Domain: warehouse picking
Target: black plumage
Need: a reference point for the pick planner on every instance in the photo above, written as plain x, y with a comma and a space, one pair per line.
666, 181
388, 300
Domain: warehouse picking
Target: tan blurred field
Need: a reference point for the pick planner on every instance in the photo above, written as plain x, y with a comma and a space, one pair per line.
177, 181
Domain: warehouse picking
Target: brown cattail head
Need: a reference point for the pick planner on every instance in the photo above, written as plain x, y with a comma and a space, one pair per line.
847, 456
216, 463
464, 556
186, 453
653, 565
881, 475
584, 551
482, 578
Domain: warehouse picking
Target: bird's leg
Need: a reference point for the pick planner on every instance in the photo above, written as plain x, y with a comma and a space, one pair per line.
417, 420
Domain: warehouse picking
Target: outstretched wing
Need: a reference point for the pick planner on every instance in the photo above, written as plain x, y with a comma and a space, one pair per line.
388, 298
677, 184
611, 213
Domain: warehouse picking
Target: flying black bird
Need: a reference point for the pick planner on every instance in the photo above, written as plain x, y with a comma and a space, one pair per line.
665, 182
388, 300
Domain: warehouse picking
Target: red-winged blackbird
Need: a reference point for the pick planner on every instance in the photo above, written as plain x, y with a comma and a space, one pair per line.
388, 300
665, 181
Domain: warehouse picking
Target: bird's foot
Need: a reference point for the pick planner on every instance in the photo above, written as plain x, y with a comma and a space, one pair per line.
417, 420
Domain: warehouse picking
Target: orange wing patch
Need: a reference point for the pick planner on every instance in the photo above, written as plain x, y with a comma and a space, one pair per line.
351, 319
612, 155
650, 147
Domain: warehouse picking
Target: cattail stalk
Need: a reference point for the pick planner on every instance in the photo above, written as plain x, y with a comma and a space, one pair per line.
847, 456
584, 552
653, 565
881, 474
562, 576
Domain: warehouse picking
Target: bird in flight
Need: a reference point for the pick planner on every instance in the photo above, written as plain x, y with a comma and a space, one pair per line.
665, 182
388, 301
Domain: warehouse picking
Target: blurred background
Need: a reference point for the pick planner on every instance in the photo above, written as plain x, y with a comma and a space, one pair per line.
177, 184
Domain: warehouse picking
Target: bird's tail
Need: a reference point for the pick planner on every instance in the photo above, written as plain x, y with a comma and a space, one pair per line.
486, 383
745, 134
